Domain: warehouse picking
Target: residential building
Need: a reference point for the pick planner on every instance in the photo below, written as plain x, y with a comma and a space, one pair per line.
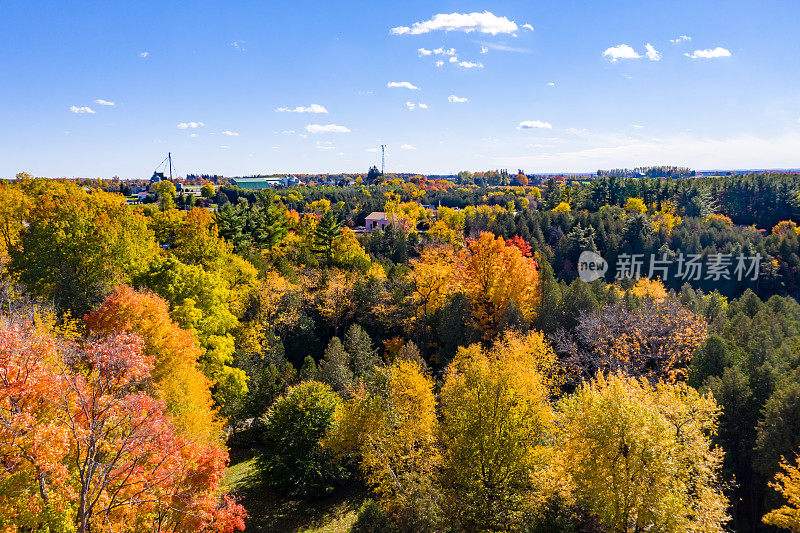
376, 220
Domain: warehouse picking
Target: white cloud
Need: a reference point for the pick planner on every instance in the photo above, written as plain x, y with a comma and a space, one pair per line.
709, 53
100, 101
187, 125
224, 147
638, 126
287, 132
373, 150
621, 51
81, 110
652, 54
527, 27
144, 54
325, 147
230, 133
408, 147
238, 45
403, 84
680, 39
485, 22
439, 63
410, 105
326, 128
484, 49
468, 64
424, 52
303, 135
423, 106
453, 59
552, 84
453, 99
313, 108
194, 135
531, 124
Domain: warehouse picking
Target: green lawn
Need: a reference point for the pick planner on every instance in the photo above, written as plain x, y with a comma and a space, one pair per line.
269, 512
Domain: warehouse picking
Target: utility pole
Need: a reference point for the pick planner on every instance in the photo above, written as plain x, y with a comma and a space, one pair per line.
169, 155
383, 157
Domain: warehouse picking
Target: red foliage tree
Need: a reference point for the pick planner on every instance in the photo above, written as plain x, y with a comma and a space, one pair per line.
102, 452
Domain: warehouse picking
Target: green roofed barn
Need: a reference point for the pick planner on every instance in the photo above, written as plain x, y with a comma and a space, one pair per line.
255, 184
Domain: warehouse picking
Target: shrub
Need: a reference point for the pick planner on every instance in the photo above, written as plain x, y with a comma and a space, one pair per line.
371, 519
295, 460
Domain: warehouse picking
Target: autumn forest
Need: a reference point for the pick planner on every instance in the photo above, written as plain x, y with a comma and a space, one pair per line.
263, 360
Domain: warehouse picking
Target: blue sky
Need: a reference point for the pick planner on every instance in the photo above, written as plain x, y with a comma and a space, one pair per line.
204, 80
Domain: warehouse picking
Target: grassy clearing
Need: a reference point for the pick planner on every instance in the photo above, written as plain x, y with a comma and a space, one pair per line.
270, 512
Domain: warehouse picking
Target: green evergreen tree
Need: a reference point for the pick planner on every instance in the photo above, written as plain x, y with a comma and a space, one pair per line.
327, 232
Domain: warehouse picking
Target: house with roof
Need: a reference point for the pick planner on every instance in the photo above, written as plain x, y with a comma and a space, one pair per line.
376, 220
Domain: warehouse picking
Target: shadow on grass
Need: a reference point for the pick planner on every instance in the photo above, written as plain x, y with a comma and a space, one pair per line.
270, 511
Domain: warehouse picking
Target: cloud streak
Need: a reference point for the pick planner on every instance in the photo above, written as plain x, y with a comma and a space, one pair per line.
82, 110
403, 85
313, 108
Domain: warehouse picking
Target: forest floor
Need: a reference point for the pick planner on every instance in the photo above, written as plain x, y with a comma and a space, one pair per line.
268, 511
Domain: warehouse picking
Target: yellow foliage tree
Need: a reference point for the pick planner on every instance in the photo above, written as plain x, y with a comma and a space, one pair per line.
665, 219
336, 298
197, 240
14, 206
784, 228
635, 205
563, 207
391, 423
788, 484
497, 423
639, 456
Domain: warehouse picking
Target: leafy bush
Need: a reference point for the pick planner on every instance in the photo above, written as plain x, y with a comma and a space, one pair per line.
295, 460
371, 519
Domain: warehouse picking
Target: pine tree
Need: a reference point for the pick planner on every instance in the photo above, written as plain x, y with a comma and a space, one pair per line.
362, 356
268, 222
334, 368
327, 232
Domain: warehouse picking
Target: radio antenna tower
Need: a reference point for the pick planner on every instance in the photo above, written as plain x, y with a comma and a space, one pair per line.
383, 157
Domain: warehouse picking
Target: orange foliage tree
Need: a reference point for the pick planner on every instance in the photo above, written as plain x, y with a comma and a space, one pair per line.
102, 453
175, 352
500, 280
